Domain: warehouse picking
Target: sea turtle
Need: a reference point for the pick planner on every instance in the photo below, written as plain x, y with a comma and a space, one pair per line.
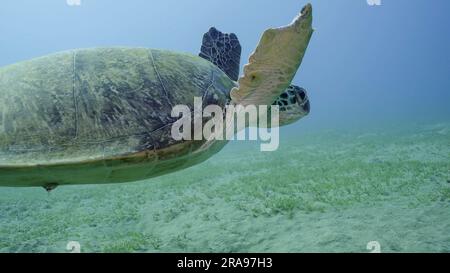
103, 115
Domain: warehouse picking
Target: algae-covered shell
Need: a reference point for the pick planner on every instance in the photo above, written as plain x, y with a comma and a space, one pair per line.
100, 115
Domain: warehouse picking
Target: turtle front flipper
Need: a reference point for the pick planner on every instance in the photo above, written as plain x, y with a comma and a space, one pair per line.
273, 64
223, 50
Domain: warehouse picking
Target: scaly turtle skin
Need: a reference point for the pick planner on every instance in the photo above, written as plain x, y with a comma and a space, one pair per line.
103, 115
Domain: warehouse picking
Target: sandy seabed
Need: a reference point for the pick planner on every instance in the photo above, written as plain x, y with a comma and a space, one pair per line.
330, 191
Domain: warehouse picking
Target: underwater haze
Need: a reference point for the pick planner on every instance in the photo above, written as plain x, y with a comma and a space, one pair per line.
371, 162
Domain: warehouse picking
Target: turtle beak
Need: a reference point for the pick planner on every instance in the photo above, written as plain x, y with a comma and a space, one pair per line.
303, 100
307, 107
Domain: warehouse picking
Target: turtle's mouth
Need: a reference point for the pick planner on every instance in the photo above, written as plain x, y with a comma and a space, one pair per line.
303, 100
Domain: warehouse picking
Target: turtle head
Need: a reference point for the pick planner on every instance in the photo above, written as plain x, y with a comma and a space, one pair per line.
293, 105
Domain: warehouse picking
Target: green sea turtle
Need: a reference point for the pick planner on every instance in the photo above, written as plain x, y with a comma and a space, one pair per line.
103, 115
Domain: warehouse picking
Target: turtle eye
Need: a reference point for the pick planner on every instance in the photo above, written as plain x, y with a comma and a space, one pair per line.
307, 107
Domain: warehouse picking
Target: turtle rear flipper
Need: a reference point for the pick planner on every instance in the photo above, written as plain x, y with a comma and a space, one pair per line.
223, 50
